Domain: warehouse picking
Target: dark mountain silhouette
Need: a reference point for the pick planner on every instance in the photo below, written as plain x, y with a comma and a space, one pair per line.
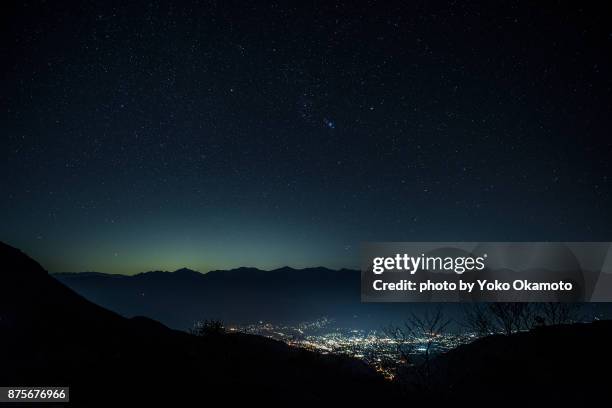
242, 295
565, 363
247, 295
49, 335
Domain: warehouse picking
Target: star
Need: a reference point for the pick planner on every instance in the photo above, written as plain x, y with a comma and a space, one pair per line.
329, 123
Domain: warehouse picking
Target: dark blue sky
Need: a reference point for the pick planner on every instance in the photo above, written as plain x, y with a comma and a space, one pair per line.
211, 135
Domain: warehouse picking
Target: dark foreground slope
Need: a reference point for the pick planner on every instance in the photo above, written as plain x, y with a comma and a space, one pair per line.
51, 336
565, 363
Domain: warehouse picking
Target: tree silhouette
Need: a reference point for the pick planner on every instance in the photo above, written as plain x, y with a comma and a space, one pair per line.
419, 334
511, 317
208, 328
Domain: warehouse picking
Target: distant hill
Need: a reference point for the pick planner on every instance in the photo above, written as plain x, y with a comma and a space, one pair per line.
566, 364
242, 295
49, 335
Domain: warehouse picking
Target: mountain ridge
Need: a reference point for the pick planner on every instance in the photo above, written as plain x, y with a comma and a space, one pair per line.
236, 296
187, 270
50, 335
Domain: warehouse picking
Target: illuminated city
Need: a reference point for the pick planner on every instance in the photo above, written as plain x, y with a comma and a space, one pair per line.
380, 348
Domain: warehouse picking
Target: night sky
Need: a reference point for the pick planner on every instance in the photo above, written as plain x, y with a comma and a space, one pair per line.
221, 134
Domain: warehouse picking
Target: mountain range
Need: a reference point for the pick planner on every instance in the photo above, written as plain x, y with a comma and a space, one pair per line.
51, 336
239, 296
